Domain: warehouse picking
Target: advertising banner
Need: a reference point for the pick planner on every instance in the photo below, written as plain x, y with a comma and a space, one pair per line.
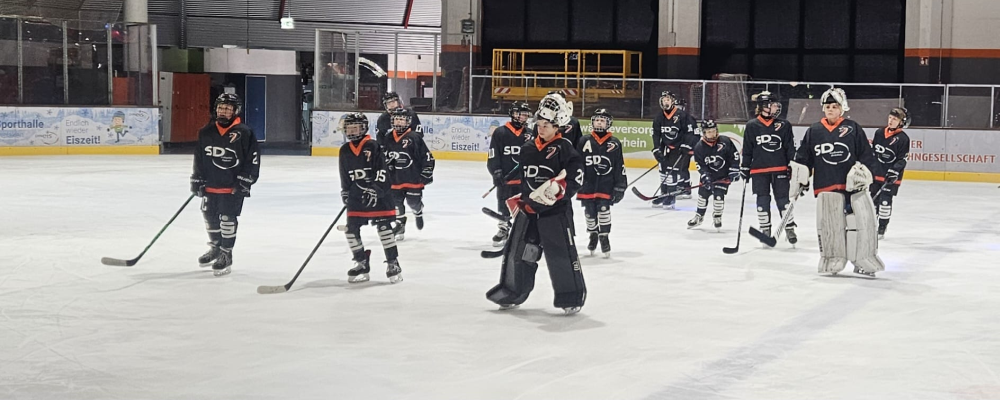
70, 127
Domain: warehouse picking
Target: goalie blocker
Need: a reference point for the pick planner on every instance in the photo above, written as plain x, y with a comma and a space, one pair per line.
839, 153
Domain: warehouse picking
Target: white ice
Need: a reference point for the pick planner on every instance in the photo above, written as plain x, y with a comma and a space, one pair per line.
669, 316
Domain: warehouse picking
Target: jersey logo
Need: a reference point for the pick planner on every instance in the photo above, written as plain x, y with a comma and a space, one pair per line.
406, 142
535, 174
884, 154
368, 156
777, 125
400, 159
770, 143
222, 158
833, 153
552, 152
612, 147
844, 131
893, 141
715, 163
234, 136
676, 119
600, 164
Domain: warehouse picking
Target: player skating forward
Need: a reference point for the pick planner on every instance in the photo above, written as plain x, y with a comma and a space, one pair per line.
411, 168
365, 191
604, 179
718, 161
841, 159
768, 147
391, 101
543, 223
891, 145
226, 165
503, 162
673, 131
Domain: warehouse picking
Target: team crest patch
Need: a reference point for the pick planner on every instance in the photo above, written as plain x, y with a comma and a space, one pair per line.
234, 136
552, 152
893, 141
777, 126
612, 147
844, 131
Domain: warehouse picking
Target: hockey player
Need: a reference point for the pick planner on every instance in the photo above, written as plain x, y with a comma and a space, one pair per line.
411, 167
768, 147
364, 188
892, 146
504, 157
718, 161
226, 165
553, 172
570, 131
391, 101
672, 137
604, 179
841, 159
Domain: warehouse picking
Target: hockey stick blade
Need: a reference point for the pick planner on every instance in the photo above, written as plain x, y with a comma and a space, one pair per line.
641, 196
767, 240
731, 250
493, 214
114, 262
271, 289
491, 254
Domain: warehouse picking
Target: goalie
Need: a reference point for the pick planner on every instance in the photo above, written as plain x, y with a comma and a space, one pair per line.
841, 159
543, 219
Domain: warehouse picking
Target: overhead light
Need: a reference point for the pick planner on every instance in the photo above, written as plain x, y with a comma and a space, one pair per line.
229, 46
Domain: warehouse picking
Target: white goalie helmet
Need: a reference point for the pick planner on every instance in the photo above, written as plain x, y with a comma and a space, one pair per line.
836, 95
556, 109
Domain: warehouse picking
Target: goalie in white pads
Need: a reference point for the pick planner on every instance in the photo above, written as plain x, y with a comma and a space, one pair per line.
543, 219
838, 152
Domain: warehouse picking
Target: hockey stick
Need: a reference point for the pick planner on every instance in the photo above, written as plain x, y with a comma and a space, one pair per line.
643, 174
507, 175
128, 263
739, 230
674, 193
499, 217
285, 287
771, 241
636, 192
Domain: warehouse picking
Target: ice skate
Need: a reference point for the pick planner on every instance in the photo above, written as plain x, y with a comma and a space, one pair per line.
571, 310
501, 237
506, 307
361, 269
209, 257
790, 234
860, 271
697, 220
420, 219
222, 264
592, 244
717, 222
686, 194
881, 231
669, 203
393, 272
658, 202
400, 229
605, 245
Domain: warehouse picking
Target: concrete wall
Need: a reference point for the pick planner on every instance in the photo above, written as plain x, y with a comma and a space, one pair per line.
952, 41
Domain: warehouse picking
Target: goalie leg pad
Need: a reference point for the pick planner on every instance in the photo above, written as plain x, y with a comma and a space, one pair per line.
556, 235
862, 234
517, 276
831, 226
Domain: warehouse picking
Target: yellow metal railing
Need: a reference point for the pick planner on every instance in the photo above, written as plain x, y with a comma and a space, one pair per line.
517, 77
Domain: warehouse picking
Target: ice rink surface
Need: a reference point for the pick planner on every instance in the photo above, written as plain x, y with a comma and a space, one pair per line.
669, 316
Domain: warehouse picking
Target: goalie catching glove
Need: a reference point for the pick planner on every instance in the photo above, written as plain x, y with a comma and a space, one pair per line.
551, 191
858, 178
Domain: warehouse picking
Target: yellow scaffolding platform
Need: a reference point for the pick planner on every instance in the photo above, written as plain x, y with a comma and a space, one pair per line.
522, 74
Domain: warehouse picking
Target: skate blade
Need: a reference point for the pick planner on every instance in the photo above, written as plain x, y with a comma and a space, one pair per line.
399, 237
506, 307
607, 255
396, 278
358, 278
571, 310
206, 265
499, 244
221, 272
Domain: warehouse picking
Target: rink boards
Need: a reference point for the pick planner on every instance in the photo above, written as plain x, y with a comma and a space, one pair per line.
79, 130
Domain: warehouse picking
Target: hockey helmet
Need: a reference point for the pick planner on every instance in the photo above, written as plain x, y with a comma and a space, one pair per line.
517, 110
230, 99
764, 100
903, 115
555, 109
666, 94
400, 119
710, 130
601, 114
390, 97
354, 126
835, 96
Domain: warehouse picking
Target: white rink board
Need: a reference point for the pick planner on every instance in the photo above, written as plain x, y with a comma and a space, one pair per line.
668, 317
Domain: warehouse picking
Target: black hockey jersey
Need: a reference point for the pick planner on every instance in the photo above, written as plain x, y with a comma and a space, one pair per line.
505, 151
224, 153
718, 159
362, 167
673, 130
543, 161
831, 151
768, 145
570, 132
890, 146
604, 166
408, 159
384, 125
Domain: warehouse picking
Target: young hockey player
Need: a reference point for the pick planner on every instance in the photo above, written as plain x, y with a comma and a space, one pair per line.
570, 131
504, 156
391, 101
768, 147
719, 163
411, 167
841, 159
553, 172
672, 137
226, 165
364, 188
892, 146
604, 179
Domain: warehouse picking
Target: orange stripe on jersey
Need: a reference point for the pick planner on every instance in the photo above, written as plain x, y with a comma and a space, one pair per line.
831, 127
357, 150
408, 186
766, 170
600, 140
223, 131
514, 182
766, 122
829, 189
371, 214
538, 141
589, 196
219, 190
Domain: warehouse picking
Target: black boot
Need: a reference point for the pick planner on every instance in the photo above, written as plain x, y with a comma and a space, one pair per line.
209, 257
605, 245
361, 269
393, 271
223, 262
592, 244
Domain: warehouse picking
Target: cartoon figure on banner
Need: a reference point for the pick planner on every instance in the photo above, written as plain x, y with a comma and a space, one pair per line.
118, 129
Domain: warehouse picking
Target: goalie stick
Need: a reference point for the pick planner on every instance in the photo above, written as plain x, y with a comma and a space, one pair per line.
284, 288
128, 263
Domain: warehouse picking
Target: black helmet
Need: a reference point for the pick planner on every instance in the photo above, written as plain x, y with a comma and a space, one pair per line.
601, 113
400, 112
355, 118
665, 94
515, 110
709, 124
231, 99
388, 97
764, 100
903, 115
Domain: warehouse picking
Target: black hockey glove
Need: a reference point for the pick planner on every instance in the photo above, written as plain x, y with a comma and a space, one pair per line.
428, 175
242, 188
734, 174
369, 197
745, 172
659, 156
497, 178
892, 173
344, 194
197, 186
706, 180
618, 194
